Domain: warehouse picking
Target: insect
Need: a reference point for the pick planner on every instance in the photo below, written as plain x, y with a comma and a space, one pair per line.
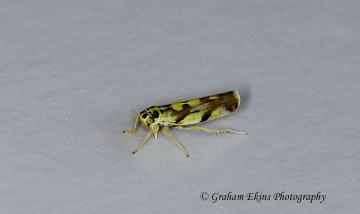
183, 113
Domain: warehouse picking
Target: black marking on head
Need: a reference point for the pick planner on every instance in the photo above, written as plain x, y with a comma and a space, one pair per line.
144, 115
155, 114
205, 116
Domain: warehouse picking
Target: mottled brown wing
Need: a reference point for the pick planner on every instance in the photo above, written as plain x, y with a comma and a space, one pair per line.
202, 109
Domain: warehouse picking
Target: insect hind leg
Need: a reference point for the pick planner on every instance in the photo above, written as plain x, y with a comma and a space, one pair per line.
212, 131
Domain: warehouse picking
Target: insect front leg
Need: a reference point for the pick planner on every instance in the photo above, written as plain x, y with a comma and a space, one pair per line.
135, 126
165, 130
211, 131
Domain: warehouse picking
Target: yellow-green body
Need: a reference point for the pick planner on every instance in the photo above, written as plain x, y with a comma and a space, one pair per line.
189, 112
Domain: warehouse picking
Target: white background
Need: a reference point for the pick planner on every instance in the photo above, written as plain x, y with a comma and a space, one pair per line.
73, 75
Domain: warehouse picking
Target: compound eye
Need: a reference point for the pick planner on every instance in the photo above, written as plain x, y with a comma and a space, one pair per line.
144, 115
155, 114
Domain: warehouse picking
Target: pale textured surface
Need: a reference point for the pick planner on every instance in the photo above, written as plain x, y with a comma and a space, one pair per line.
72, 75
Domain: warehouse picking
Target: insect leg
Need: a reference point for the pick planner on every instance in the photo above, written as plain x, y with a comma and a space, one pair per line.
142, 143
135, 126
211, 131
165, 130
